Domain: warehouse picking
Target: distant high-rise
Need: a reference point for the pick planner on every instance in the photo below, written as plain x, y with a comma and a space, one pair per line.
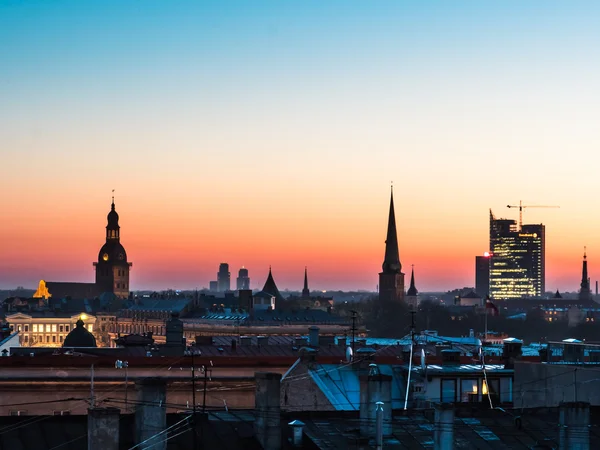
243, 281
305, 290
517, 267
213, 286
585, 293
224, 278
391, 278
482, 275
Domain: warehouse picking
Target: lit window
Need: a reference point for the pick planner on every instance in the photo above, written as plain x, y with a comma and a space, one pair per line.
54, 328
35, 328
48, 328
90, 327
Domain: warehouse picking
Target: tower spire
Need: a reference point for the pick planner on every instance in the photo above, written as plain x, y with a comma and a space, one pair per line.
113, 200
305, 290
391, 262
585, 292
412, 290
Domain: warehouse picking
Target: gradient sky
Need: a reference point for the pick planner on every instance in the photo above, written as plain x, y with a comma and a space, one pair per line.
265, 133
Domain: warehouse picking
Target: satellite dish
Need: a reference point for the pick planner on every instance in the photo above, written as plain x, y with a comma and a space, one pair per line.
422, 359
348, 354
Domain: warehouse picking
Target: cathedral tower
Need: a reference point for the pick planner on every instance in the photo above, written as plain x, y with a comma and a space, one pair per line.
585, 293
112, 268
305, 290
391, 278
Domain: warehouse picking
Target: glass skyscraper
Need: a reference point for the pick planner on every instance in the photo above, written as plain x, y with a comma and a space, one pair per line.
517, 265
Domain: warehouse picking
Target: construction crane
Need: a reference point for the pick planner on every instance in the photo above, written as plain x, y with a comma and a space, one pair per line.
521, 206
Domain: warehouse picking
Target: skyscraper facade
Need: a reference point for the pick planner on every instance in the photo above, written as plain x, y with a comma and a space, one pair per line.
243, 281
482, 275
223, 278
391, 278
517, 265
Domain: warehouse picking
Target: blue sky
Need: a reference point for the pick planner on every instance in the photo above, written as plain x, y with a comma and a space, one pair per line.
298, 106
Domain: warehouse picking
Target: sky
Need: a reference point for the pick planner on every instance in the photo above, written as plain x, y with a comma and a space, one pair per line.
268, 133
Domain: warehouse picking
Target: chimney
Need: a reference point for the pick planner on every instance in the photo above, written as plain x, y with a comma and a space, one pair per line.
308, 355
313, 336
150, 414
297, 430
379, 422
574, 423
511, 351
103, 428
245, 299
375, 388
573, 350
267, 425
443, 434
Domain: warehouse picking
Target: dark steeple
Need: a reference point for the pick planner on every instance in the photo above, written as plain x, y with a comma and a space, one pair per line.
412, 290
585, 293
305, 290
391, 262
112, 227
557, 295
271, 288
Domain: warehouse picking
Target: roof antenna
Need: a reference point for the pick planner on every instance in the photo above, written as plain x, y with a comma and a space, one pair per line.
113, 196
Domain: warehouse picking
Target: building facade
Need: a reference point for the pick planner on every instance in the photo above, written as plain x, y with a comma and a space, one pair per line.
223, 278
482, 275
517, 265
46, 329
243, 280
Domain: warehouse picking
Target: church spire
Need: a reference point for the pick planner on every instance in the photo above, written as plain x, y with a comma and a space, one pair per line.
585, 293
305, 290
412, 290
391, 262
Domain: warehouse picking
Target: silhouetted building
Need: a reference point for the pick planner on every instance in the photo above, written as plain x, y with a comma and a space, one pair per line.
412, 295
391, 278
270, 288
585, 293
243, 281
517, 267
80, 337
482, 275
224, 278
305, 290
213, 286
112, 268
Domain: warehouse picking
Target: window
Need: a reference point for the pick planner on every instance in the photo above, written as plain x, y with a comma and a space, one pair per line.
26, 338
27, 328
18, 327
48, 328
66, 328
47, 339
54, 328
469, 391
60, 329
35, 327
54, 339
90, 327
448, 391
64, 412
60, 338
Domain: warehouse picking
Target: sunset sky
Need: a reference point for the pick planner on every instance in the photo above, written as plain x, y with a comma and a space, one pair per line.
267, 133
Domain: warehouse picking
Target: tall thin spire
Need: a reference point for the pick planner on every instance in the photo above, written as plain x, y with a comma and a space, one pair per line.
391, 262
412, 290
585, 293
305, 290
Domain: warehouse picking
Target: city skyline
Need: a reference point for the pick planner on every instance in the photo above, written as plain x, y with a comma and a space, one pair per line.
267, 134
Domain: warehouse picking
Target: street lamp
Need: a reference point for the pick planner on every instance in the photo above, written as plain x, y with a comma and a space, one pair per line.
124, 365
